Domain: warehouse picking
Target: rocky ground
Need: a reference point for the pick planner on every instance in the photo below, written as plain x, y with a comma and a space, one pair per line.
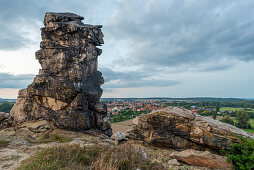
27, 139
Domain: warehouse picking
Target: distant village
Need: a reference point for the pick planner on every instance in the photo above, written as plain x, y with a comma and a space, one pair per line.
152, 105
136, 106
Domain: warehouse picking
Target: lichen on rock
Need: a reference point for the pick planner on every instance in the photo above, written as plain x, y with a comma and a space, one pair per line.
67, 90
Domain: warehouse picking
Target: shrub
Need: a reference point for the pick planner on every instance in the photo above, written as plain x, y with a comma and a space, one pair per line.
242, 154
227, 119
242, 120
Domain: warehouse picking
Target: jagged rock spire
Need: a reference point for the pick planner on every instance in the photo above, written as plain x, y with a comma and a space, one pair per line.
67, 90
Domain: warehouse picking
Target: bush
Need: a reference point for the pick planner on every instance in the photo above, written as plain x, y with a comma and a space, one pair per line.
96, 157
242, 154
6, 107
227, 120
242, 120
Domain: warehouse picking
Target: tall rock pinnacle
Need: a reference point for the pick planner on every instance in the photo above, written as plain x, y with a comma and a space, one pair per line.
67, 89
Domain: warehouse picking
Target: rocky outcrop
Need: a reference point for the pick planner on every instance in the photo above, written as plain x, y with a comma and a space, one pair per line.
178, 128
67, 89
206, 159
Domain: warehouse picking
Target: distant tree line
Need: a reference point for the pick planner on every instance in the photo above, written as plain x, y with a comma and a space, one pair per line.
6, 107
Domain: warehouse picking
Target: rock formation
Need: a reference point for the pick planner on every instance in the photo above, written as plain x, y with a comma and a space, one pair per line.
199, 158
178, 128
67, 89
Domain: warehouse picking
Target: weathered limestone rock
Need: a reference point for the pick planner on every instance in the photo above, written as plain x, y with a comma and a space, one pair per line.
178, 128
200, 158
67, 89
120, 136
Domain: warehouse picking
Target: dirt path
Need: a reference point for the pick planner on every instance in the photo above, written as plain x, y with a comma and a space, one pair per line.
122, 126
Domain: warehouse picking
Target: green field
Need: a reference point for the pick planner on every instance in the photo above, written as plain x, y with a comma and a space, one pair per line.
252, 126
234, 109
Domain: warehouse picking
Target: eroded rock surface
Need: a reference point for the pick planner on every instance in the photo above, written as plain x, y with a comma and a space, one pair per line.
199, 158
67, 89
178, 128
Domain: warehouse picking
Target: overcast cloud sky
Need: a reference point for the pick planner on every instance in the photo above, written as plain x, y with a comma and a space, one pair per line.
153, 48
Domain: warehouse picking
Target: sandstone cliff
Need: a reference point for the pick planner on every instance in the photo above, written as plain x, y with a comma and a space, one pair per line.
178, 128
67, 89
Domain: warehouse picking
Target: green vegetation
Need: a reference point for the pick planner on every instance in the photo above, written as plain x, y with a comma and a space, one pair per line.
242, 120
227, 119
3, 144
242, 155
6, 107
88, 157
12, 157
214, 115
126, 115
49, 138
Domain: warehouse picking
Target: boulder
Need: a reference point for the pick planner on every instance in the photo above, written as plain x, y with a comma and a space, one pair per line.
4, 116
67, 90
174, 162
200, 158
119, 136
178, 128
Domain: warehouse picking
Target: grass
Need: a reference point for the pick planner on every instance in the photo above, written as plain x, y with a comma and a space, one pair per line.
7, 165
251, 124
96, 157
3, 144
234, 109
12, 158
49, 138
252, 127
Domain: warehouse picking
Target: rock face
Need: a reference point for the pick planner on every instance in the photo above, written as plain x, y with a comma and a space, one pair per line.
199, 158
67, 89
178, 128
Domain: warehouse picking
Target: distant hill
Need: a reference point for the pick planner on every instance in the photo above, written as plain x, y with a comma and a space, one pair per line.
179, 99
7, 100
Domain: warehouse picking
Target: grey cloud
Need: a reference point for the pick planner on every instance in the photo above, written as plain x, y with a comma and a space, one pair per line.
130, 79
14, 14
181, 32
8, 80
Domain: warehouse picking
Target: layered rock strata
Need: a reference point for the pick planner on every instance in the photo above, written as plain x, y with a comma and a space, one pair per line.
178, 128
67, 90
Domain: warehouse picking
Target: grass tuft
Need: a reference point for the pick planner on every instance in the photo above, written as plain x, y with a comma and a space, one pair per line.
3, 144
96, 157
49, 138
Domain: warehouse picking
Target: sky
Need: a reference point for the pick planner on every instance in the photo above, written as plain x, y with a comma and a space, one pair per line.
153, 48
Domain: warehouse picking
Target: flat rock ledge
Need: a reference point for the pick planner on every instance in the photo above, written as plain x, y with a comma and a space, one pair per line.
178, 128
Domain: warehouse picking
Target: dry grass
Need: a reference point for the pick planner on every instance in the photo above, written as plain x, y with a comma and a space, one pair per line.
96, 157
124, 157
47, 138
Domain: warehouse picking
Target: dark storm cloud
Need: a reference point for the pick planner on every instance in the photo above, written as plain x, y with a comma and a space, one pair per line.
182, 32
130, 79
8, 80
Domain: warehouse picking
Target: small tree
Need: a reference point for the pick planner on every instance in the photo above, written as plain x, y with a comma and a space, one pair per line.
242, 120
227, 119
214, 115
